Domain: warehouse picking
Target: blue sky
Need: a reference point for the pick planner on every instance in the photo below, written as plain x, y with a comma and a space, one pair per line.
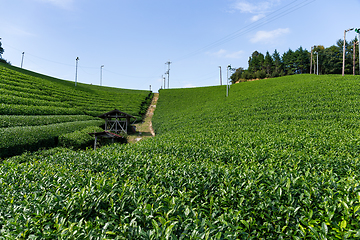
134, 39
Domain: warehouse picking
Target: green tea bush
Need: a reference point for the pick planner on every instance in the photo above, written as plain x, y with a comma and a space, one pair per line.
79, 139
38, 120
16, 140
277, 159
31, 99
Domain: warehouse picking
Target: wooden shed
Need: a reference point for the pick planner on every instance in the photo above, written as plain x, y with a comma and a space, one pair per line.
117, 121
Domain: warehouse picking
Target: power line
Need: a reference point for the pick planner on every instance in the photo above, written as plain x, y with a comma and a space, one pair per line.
250, 27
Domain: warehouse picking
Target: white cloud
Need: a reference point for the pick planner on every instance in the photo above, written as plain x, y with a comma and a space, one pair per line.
246, 7
225, 54
269, 36
257, 17
256, 7
65, 4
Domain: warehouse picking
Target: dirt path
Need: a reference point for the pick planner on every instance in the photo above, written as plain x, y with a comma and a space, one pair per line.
145, 129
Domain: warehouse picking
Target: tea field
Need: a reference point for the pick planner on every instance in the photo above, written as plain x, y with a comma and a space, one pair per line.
277, 159
36, 109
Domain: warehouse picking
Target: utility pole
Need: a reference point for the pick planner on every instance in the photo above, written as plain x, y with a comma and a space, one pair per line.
357, 30
317, 63
168, 73
101, 74
343, 66
77, 60
220, 76
311, 58
22, 59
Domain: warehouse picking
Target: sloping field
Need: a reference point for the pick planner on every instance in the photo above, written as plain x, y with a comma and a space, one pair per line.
35, 109
277, 159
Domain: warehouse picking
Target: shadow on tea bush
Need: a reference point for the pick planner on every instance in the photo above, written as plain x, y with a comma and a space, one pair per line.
79, 139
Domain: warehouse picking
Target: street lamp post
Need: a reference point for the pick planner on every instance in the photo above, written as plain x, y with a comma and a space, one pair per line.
77, 60
227, 80
317, 63
101, 74
22, 59
343, 67
220, 76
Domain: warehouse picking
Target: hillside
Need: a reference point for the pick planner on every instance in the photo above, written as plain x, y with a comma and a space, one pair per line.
35, 109
276, 159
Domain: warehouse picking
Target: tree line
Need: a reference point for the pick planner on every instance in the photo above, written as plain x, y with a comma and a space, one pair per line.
297, 62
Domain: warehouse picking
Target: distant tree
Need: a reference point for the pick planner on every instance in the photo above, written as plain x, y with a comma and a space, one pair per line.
1, 50
289, 61
235, 77
302, 60
332, 60
260, 74
277, 64
268, 63
256, 62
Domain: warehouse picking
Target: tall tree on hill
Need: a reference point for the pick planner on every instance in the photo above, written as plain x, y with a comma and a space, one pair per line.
256, 62
268, 63
302, 60
236, 75
332, 60
289, 61
1, 50
277, 64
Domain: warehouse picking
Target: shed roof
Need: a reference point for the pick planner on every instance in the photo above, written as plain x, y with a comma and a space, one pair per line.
116, 113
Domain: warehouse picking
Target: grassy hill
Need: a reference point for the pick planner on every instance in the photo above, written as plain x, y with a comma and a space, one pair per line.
277, 159
35, 109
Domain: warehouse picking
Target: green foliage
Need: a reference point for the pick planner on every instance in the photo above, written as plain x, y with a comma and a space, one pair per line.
237, 75
25, 88
16, 140
277, 159
79, 139
21, 120
297, 62
1, 50
40, 107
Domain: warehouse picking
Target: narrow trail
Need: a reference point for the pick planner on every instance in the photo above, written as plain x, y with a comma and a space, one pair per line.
144, 129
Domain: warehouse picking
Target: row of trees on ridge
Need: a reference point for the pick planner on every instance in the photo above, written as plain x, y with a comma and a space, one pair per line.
298, 62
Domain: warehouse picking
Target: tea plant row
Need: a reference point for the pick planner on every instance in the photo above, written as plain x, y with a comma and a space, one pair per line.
277, 159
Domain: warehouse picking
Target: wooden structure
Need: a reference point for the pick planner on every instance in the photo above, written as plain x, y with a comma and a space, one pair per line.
104, 134
117, 121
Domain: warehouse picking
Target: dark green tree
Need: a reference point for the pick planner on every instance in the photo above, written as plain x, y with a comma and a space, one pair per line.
1, 50
278, 65
289, 61
256, 62
235, 77
302, 61
332, 60
268, 64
